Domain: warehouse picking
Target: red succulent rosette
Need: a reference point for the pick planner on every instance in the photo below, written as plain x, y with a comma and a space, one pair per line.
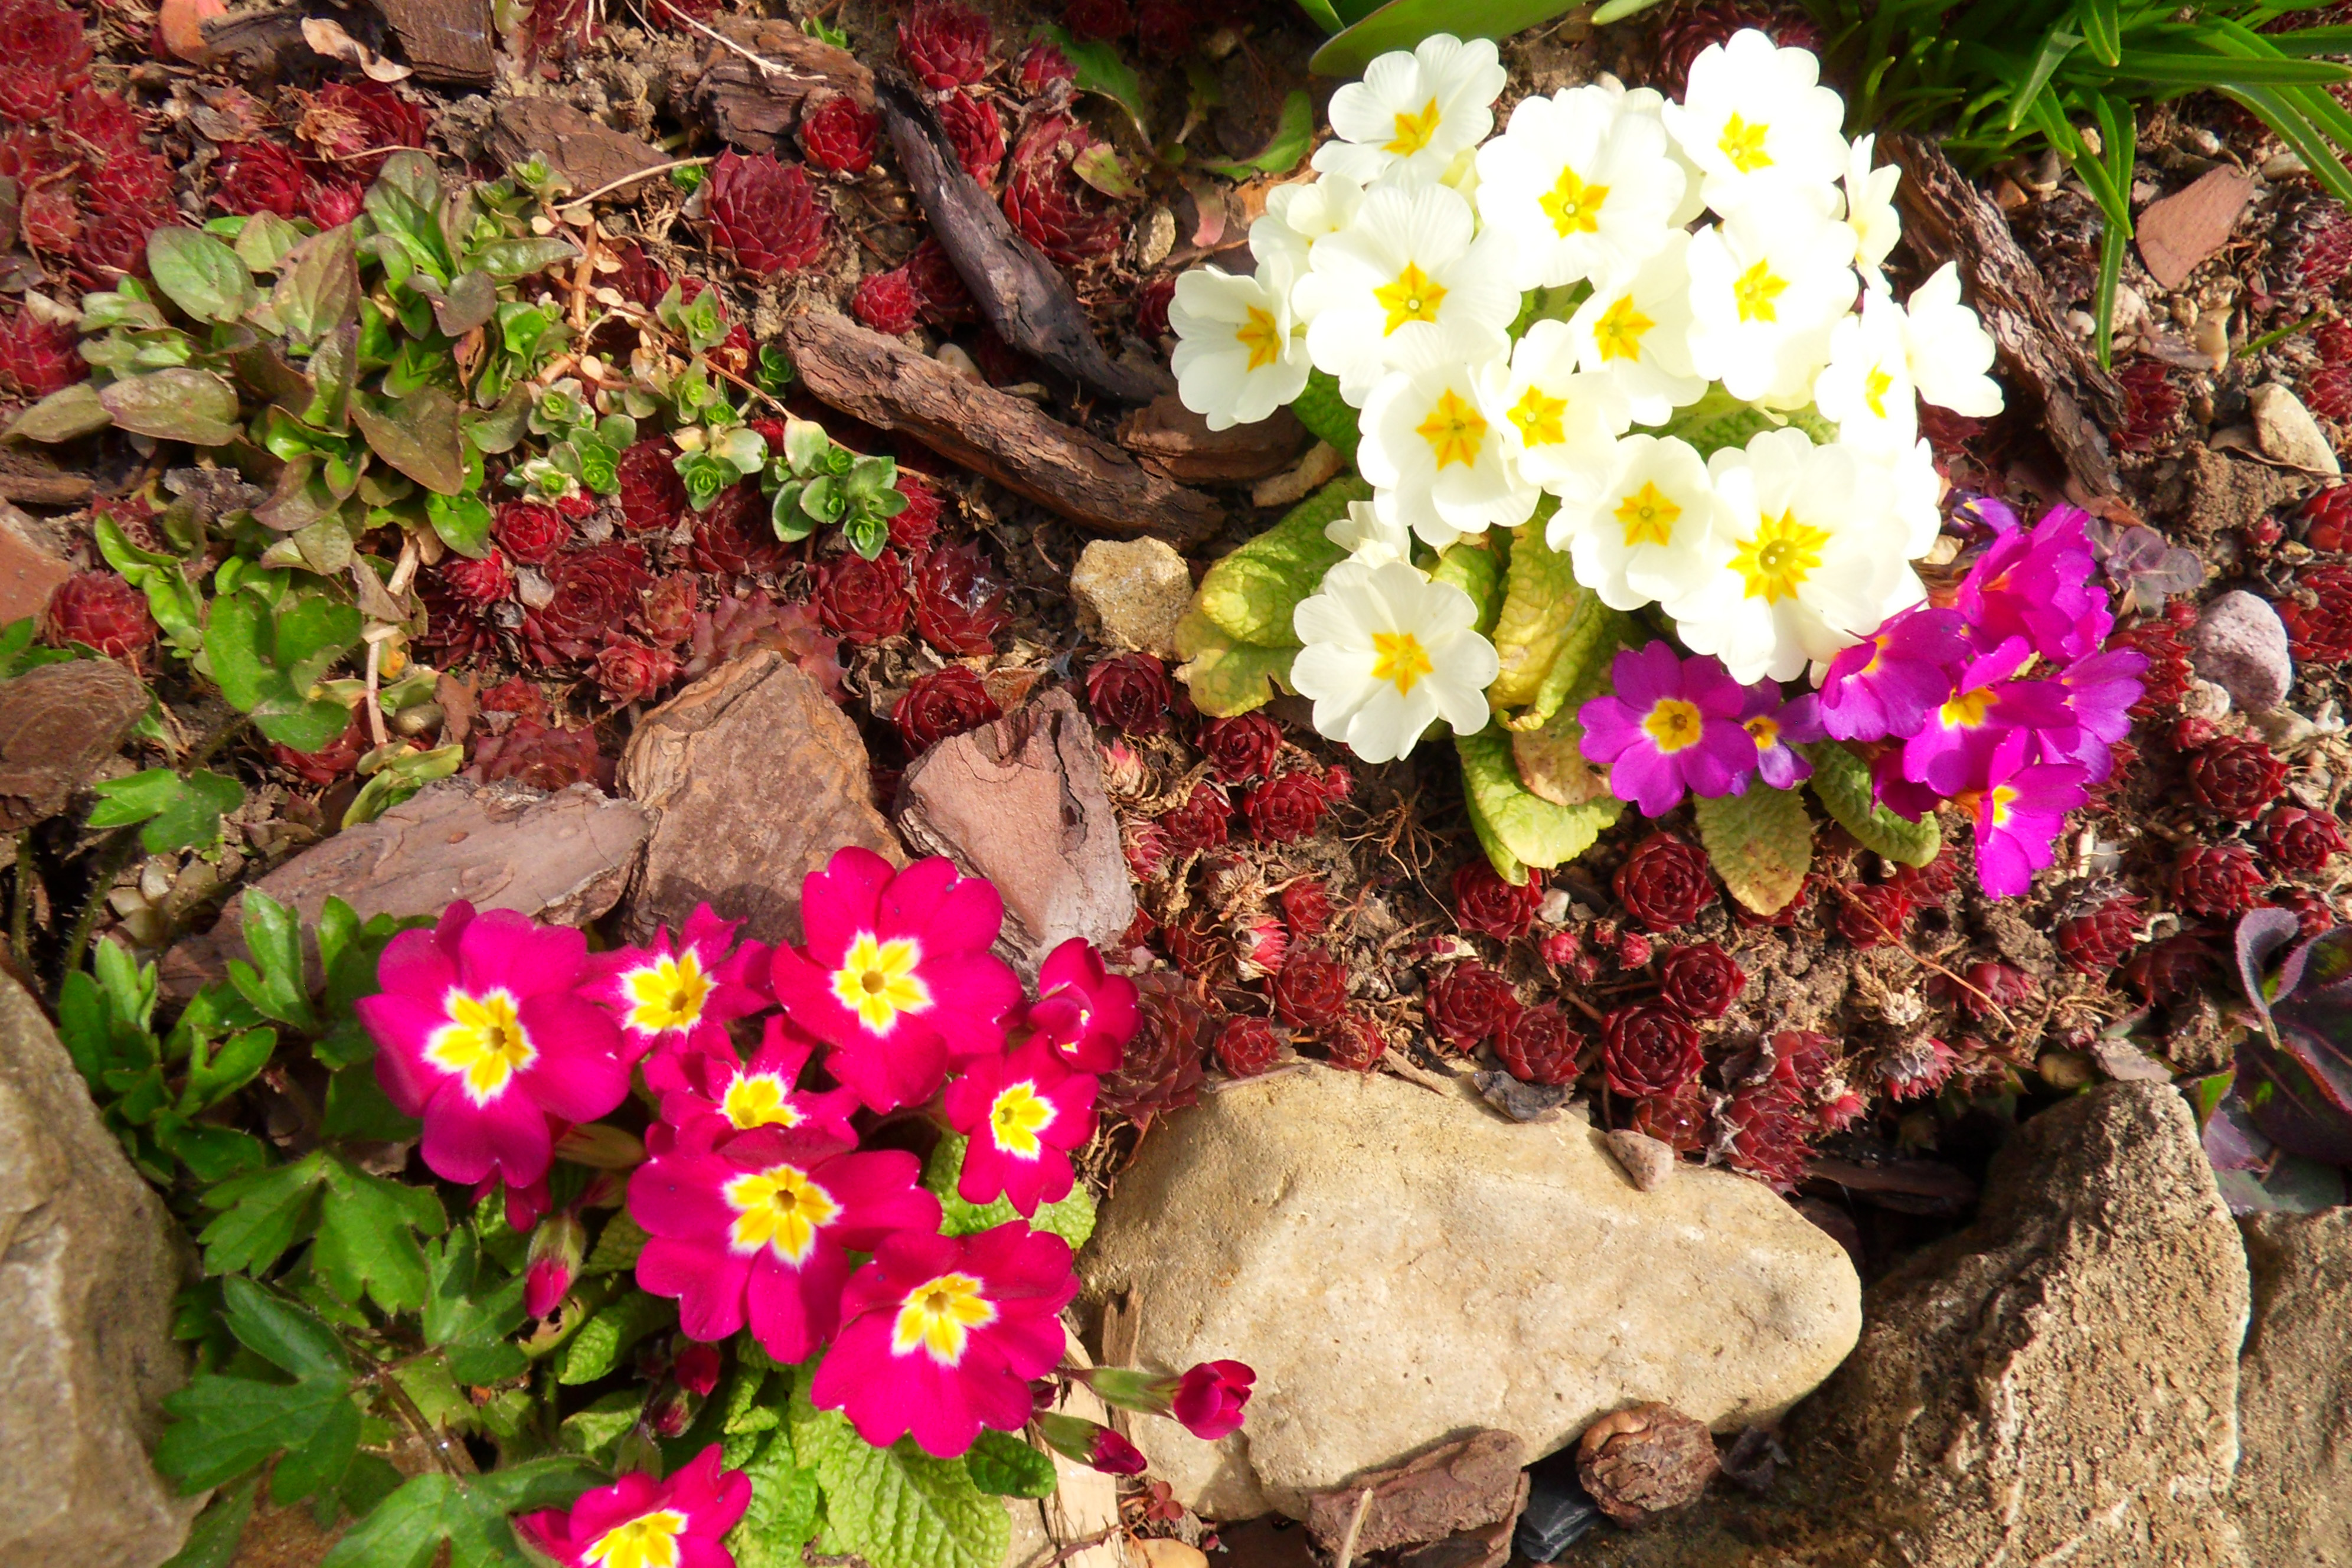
1648, 1050
1084, 1011
841, 136
669, 613
2313, 915
1468, 1004
355, 125
941, 294
1663, 883
1151, 302
1041, 64
976, 134
1241, 749
2169, 970
918, 522
477, 582
1310, 991
627, 671
37, 359
2217, 879
1203, 821
652, 496
330, 761
597, 591
885, 301
1045, 203
1287, 808
862, 599
1484, 903
262, 178
944, 703
1025, 1112
1246, 1047
1164, 28
682, 1519
1098, 19
2299, 840
1355, 1044
2095, 941
2318, 615
2236, 778
100, 610
764, 214
1536, 1045
1701, 981
540, 756
1131, 692
531, 532
1306, 908
944, 43
1871, 914
1678, 1120
45, 53
1769, 1130
735, 538
958, 605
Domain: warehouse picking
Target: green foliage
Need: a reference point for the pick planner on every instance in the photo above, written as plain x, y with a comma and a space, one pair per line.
896, 1507
1251, 593
787, 1505
179, 811
1292, 138
1326, 415
817, 483
601, 1343
1760, 842
1003, 1466
468, 1513
1517, 828
1367, 29
1478, 570
1101, 72
1841, 782
1072, 1219
1224, 675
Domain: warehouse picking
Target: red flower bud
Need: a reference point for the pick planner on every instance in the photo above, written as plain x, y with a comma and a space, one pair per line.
1632, 951
1210, 1398
1648, 1050
1557, 948
557, 1247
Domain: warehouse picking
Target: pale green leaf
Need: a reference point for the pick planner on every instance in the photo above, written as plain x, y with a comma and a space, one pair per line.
63, 414
1224, 675
897, 1506
1841, 782
1072, 1219
180, 404
1540, 602
1251, 592
1528, 829
1477, 572
1580, 668
203, 276
786, 1503
1326, 415
1761, 844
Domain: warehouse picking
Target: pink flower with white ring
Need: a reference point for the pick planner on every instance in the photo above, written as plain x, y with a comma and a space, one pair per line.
681, 993
1024, 1112
640, 1523
710, 1096
1087, 1013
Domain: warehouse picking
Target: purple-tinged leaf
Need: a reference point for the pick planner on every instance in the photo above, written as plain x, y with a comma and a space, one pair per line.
2296, 1078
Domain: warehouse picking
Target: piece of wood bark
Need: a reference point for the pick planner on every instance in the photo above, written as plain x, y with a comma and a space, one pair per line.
1169, 438
266, 42
57, 722
1457, 1487
444, 40
1093, 483
1022, 295
32, 565
1947, 218
47, 489
2176, 234
584, 151
756, 106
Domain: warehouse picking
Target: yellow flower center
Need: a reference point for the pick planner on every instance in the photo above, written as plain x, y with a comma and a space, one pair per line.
667, 994
1744, 144
2002, 795
1618, 331
1765, 730
758, 1099
1539, 418
876, 981
1454, 430
1019, 1114
1414, 131
1777, 561
1259, 334
1967, 711
648, 1540
1647, 516
938, 1315
1755, 292
1874, 392
1573, 206
779, 1209
1412, 296
484, 1041
1673, 724
1399, 658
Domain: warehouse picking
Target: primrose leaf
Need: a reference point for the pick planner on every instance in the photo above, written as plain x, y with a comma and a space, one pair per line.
1841, 782
203, 276
1072, 1219
896, 1507
1477, 572
1003, 1466
1761, 843
1518, 828
63, 414
214, 1538
786, 1504
1226, 676
1326, 415
178, 404
600, 1342
288, 1337
274, 983
1291, 139
1251, 592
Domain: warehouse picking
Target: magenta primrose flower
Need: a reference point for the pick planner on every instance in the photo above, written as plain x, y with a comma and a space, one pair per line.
1084, 1011
1778, 729
1948, 753
941, 1335
1024, 1112
1210, 1398
2100, 690
641, 1522
1906, 798
1671, 725
709, 1096
896, 975
484, 1036
683, 992
2020, 812
1889, 684
2037, 583
760, 1230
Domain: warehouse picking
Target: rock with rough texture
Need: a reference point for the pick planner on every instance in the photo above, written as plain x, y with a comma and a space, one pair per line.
1452, 1488
583, 149
1131, 592
759, 778
563, 857
32, 565
88, 1261
1020, 803
1648, 1161
1398, 1265
2240, 646
2293, 1494
2288, 433
2176, 234
57, 721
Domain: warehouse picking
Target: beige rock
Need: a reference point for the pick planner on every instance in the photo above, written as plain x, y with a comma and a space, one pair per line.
1131, 592
2293, 1494
1084, 1501
2288, 433
88, 1261
1399, 1266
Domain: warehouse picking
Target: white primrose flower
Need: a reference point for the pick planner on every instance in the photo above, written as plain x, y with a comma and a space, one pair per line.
1413, 112
1583, 187
1816, 559
1866, 386
1558, 424
1647, 531
1871, 212
1635, 328
1948, 348
1651, 103
1918, 494
1298, 216
1388, 652
1767, 284
1408, 282
1368, 539
1760, 125
1240, 352
1436, 462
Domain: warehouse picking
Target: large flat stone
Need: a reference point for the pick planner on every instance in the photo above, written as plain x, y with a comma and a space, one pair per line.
1400, 1266
2294, 1490
88, 1261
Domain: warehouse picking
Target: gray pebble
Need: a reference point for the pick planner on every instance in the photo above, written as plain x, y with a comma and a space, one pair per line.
1647, 1162
2240, 646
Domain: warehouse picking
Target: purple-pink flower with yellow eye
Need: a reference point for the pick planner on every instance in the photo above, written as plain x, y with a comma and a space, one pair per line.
760, 1230
681, 993
1087, 1013
1950, 752
2020, 812
1887, 684
1906, 798
896, 975
485, 1038
1671, 725
1778, 729
640, 1523
2100, 691
1024, 1112
2037, 583
710, 1096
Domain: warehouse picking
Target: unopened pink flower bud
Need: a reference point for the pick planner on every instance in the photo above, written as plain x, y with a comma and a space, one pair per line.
1090, 1443
556, 1248
1146, 1393
697, 1369
670, 1414
1258, 948
1210, 1396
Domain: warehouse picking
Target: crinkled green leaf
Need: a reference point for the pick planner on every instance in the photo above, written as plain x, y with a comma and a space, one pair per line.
405, 1529
417, 435
598, 1347
1527, 829
1841, 782
203, 276
289, 1337
1580, 668
1477, 572
179, 404
1224, 675
1251, 592
1761, 844
617, 1246
896, 1507
1540, 602
786, 1503
367, 1238
1326, 415
1072, 1219
63, 414
1003, 1466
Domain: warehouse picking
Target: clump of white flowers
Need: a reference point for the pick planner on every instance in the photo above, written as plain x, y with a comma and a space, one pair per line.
1542, 313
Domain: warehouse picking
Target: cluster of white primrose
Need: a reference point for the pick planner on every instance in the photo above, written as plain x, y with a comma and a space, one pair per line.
1400, 269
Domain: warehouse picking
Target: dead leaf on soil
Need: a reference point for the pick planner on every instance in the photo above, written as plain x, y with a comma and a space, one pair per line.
327, 36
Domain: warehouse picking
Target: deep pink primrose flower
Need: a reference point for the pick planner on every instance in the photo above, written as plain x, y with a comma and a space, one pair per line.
1024, 1112
1210, 1396
640, 1523
1906, 798
761, 1230
681, 993
2037, 583
2020, 813
2100, 690
1087, 1013
941, 1335
1888, 684
1777, 727
1671, 725
485, 1038
1950, 752
710, 1096
896, 975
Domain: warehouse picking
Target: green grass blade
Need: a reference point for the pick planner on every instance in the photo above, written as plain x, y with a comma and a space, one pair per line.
2318, 155
2165, 68
2057, 45
2120, 128
2102, 30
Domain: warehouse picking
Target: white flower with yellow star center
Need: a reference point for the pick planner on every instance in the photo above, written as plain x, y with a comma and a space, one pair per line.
1814, 558
1435, 458
1558, 424
1918, 494
938, 1316
1388, 653
1412, 113
1948, 348
1299, 215
1635, 328
483, 1042
1871, 212
1409, 282
1760, 125
779, 1208
1650, 102
1767, 285
1240, 351
878, 981
1368, 538
1583, 188
648, 1540
1866, 386
1647, 531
